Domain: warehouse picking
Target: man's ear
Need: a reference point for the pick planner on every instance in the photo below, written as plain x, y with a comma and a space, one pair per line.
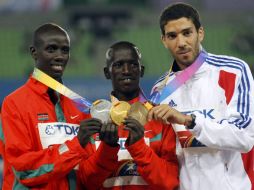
107, 73
163, 40
201, 34
33, 52
142, 71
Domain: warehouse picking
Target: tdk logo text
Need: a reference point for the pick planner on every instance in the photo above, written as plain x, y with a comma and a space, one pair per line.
60, 128
206, 113
50, 130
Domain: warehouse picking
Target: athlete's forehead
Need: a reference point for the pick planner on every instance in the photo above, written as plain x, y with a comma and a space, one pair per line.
122, 53
49, 31
179, 25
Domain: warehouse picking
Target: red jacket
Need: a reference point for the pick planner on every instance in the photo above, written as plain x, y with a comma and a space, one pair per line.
248, 161
153, 166
29, 164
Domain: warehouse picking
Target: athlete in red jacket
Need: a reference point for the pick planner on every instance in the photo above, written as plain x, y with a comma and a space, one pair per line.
43, 147
147, 158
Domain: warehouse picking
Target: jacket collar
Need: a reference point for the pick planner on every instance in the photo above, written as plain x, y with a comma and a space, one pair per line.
37, 86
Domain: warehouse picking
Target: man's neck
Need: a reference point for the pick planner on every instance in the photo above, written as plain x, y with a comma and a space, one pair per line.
125, 96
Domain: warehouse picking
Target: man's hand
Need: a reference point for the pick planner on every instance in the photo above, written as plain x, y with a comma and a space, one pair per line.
88, 127
136, 130
167, 115
109, 134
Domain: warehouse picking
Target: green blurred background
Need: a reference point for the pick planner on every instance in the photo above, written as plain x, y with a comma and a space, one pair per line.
95, 24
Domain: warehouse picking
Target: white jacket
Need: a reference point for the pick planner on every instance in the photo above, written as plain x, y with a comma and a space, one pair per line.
221, 95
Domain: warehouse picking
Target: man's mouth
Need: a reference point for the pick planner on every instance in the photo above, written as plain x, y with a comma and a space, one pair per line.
127, 79
183, 52
57, 68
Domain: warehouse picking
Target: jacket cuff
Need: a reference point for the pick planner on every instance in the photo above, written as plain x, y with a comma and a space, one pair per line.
107, 156
199, 123
74, 146
138, 149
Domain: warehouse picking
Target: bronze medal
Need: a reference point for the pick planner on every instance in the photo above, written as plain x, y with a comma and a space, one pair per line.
119, 112
139, 112
100, 109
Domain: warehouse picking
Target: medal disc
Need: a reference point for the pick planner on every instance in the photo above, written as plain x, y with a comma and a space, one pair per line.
139, 112
119, 112
100, 109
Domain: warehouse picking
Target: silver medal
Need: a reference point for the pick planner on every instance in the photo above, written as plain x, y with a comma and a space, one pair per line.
100, 109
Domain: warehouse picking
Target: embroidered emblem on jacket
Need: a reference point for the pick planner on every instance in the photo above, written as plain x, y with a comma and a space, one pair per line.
43, 116
172, 103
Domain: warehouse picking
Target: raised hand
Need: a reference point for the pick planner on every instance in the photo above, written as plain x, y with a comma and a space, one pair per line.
136, 130
109, 134
166, 115
87, 128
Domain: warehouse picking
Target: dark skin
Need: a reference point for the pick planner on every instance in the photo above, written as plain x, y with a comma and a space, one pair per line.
107, 132
51, 52
125, 71
87, 128
136, 130
125, 75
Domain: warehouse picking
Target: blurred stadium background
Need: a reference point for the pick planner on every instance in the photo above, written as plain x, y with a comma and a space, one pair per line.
95, 24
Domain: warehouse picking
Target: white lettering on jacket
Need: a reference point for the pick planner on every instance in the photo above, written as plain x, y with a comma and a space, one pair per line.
56, 133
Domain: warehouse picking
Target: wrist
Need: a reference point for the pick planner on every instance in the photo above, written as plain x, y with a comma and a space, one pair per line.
190, 121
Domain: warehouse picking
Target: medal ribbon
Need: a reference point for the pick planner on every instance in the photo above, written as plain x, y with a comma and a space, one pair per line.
185, 137
180, 79
81, 103
142, 97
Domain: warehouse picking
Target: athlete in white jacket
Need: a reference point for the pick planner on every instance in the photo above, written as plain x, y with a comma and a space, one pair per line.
215, 103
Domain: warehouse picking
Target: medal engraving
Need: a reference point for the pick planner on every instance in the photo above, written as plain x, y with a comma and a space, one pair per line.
139, 112
100, 109
119, 112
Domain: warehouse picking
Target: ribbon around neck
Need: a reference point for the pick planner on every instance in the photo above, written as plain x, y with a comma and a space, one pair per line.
157, 97
81, 103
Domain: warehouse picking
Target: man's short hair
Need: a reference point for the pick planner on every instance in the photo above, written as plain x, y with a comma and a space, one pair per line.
121, 45
177, 11
46, 29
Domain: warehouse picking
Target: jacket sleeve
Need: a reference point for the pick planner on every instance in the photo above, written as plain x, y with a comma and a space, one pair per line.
236, 130
95, 170
159, 171
31, 165
1, 138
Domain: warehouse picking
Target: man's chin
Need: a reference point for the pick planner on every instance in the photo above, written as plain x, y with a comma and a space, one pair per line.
58, 78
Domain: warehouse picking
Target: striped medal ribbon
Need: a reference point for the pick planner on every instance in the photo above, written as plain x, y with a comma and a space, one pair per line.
185, 137
81, 103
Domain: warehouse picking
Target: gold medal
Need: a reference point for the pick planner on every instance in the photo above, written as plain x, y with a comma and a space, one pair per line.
139, 112
100, 110
119, 111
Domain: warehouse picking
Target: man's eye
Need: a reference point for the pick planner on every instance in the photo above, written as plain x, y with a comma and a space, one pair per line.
117, 64
171, 36
51, 48
66, 50
134, 64
187, 33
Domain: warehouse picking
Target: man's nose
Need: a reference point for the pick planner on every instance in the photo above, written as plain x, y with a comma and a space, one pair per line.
60, 56
126, 68
181, 42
